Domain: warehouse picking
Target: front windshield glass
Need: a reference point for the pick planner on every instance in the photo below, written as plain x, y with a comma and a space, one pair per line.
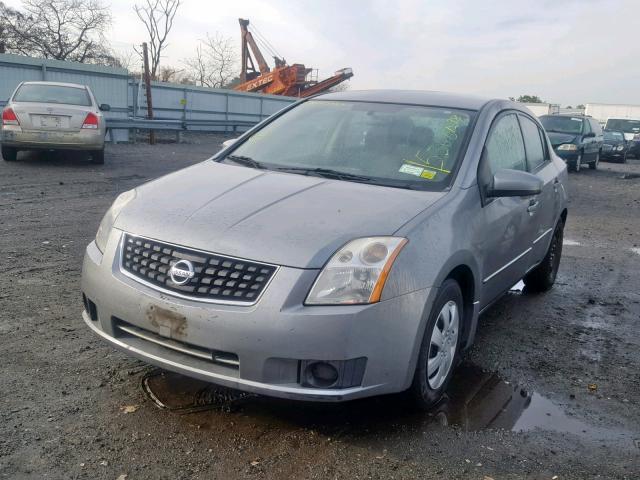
388, 144
624, 125
613, 136
559, 124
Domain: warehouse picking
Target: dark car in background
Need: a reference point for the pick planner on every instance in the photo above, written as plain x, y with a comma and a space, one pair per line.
631, 129
615, 146
576, 139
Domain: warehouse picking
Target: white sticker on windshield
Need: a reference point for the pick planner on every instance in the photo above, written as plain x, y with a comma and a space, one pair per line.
411, 170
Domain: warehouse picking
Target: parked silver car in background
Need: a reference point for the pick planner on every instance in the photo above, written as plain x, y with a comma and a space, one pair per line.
342, 248
53, 116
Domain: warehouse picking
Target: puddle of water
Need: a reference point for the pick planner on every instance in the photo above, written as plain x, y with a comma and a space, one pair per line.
475, 400
570, 243
518, 288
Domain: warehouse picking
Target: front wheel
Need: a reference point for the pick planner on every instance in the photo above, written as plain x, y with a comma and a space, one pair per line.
440, 347
10, 154
594, 165
542, 278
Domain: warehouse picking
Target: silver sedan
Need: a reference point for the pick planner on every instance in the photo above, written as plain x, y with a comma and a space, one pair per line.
53, 116
343, 248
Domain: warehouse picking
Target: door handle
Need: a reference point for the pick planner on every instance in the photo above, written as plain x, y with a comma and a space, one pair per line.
533, 206
556, 183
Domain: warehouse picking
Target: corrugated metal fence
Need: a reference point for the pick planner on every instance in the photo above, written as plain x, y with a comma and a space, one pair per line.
127, 99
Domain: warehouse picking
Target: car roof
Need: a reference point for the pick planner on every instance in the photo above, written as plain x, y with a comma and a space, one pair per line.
57, 84
413, 97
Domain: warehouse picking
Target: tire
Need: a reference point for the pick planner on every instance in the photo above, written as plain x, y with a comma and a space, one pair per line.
576, 165
9, 154
594, 165
542, 278
430, 382
97, 157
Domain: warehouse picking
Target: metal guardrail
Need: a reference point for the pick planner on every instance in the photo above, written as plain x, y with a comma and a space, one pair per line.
178, 125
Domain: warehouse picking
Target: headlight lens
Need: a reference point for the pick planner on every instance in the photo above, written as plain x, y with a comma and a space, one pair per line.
620, 148
110, 217
568, 146
357, 272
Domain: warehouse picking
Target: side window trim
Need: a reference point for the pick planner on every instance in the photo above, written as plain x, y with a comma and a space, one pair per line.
543, 142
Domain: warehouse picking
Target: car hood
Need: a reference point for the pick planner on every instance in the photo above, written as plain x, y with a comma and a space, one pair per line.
274, 217
560, 138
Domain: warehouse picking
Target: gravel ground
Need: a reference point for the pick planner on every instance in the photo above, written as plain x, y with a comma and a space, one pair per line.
551, 388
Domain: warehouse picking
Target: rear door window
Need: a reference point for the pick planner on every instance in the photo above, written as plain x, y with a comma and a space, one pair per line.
595, 126
533, 143
586, 128
39, 93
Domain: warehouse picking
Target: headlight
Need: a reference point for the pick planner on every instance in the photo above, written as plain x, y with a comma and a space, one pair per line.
357, 272
620, 148
568, 146
110, 217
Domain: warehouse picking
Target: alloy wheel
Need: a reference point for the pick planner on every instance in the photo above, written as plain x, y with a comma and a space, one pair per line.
443, 345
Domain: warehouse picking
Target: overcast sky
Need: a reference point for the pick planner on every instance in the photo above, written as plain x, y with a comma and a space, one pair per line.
565, 51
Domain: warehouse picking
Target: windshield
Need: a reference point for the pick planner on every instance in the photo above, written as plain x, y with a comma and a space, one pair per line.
624, 125
388, 144
613, 136
559, 124
33, 92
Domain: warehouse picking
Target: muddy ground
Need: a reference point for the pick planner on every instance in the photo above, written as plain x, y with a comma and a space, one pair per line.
550, 390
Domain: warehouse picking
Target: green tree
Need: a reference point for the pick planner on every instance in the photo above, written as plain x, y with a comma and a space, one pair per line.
529, 99
580, 106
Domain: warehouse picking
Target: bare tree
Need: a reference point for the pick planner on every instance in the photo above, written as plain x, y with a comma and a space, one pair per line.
214, 64
170, 74
157, 17
129, 60
61, 29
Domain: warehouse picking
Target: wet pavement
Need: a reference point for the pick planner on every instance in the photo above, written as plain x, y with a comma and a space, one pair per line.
475, 400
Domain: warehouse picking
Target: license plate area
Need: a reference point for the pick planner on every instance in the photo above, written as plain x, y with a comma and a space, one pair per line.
52, 121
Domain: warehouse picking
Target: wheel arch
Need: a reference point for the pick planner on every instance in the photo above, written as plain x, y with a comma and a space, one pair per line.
465, 278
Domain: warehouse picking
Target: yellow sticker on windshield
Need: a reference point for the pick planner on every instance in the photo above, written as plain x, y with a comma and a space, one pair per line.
428, 174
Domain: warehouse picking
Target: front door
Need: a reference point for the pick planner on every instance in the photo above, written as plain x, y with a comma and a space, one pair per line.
505, 244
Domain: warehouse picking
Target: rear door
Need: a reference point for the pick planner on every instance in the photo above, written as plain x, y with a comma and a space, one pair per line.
588, 142
599, 138
544, 211
505, 243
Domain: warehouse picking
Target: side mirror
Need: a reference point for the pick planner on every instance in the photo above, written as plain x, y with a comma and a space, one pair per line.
105, 107
228, 143
514, 183
589, 135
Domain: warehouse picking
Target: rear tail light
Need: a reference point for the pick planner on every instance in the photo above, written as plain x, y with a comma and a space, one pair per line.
91, 121
9, 117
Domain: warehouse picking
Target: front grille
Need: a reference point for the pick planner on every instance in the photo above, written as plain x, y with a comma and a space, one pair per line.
216, 278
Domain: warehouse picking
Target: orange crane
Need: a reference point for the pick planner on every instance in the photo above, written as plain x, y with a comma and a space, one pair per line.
284, 79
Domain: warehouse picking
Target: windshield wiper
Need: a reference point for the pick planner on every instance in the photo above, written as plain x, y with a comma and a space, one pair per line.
326, 172
246, 161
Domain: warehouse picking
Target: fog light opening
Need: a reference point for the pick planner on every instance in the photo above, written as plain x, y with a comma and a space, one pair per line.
321, 374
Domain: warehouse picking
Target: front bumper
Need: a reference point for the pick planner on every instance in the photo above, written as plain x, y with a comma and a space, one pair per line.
85, 139
272, 340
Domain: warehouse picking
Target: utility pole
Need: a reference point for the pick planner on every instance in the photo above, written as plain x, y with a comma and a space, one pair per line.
147, 81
